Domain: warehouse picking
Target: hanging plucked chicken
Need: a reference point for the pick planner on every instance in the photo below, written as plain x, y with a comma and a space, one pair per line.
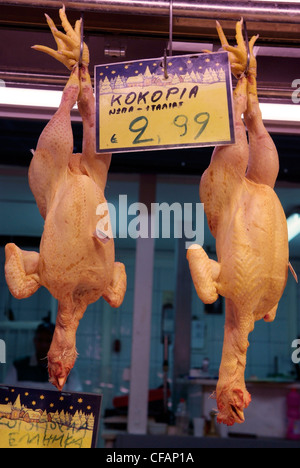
76, 262
248, 222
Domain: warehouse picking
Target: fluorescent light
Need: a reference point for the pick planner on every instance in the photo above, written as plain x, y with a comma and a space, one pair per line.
293, 52
280, 112
48, 99
293, 223
30, 97
189, 47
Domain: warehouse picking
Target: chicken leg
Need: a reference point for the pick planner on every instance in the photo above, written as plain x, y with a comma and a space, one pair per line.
74, 263
249, 225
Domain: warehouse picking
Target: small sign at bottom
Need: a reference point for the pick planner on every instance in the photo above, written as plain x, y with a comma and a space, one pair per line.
32, 418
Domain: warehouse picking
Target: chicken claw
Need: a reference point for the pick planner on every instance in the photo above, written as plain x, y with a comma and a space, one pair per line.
68, 44
238, 56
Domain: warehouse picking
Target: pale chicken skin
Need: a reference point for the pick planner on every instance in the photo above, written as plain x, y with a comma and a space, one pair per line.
75, 264
248, 222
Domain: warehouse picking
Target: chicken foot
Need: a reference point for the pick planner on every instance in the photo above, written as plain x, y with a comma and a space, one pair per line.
263, 164
68, 44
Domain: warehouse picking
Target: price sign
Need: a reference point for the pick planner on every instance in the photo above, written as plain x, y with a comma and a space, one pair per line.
39, 418
138, 108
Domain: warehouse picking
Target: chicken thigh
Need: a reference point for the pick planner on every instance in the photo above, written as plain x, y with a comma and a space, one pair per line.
76, 263
248, 222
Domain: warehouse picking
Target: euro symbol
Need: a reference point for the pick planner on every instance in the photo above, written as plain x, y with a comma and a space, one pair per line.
114, 139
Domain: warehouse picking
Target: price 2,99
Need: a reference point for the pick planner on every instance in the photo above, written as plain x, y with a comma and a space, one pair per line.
140, 125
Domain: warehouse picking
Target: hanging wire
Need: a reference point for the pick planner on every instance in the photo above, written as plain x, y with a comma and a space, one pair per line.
170, 47
171, 30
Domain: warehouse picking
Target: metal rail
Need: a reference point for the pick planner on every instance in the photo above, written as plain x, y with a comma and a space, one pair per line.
57, 82
281, 12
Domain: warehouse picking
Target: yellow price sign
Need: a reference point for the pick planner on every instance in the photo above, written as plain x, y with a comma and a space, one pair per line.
40, 418
138, 108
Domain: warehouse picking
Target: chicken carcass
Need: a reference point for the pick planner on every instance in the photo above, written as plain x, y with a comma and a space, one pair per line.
249, 225
76, 263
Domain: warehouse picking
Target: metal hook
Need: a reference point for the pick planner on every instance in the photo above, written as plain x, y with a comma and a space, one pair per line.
248, 48
81, 42
165, 65
170, 42
171, 29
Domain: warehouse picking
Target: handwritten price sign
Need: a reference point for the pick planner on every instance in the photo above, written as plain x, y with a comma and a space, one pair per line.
137, 108
39, 418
